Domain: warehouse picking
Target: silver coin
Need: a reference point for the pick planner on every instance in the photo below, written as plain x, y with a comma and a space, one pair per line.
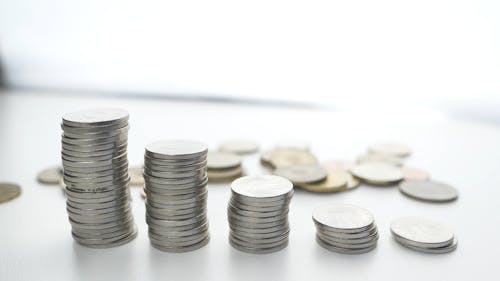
265, 186
176, 149
260, 250
239, 147
182, 249
343, 240
257, 245
262, 201
257, 220
93, 117
422, 232
371, 231
378, 173
222, 160
241, 212
299, 174
344, 250
75, 134
343, 217
380, 158
439, 250
350, 244
428, 191
257, 240
388, 148
52, 175
250, 230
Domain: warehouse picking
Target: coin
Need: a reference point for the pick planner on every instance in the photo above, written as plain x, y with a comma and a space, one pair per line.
377, 173
334, 182
389, 148
176, 149
289, 157
52, 175
9, 191
415, 174
343, 217
422, 233
239, 147
262, 186
300, 174
431, 191
292, 144
438, 250
339, 165
265, 158
223, 160
95, 117
136, 178
380, 158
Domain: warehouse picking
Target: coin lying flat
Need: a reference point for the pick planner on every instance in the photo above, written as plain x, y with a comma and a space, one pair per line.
9, 191
289, 157
136, 178
428, 191
292, 144
378, 173
380, 158
335, 181
222, 160
239, 147
415, 174
262, 186
339, 165
393, 149
423, 235
52, 175
300, 174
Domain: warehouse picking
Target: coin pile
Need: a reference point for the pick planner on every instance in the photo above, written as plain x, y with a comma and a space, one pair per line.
95, 165
175, 174
424, 235
345, 228
258, 213
223, 167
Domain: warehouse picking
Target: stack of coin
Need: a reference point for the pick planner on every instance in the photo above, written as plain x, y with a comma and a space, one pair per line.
424, 235
95, 165
175, 174
223, 167
345, 228
258, 213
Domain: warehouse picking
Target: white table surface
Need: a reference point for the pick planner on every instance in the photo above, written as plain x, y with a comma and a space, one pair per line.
35, 239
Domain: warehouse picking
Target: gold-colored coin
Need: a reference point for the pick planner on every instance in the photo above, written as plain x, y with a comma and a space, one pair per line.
52, 175
226, 175
335, 181
136, 178
378, 173
9, 191
415, 174
290, 157
339, 165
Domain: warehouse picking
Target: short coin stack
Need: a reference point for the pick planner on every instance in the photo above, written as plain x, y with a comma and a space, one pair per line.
424, 235
258, 213
175, 174
345, 228
223, 167
94, 158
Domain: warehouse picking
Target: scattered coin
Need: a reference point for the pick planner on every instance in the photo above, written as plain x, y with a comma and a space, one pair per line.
239, 147
345, 228
253, 227
378, 173
290, 157
339, 165
336, 180
300, 174
52, 175
136, 178
412, 174
223, 160
431, 191
380, 158
9, 191
95, 172
392, 149
265, 158
292, 144
423, 235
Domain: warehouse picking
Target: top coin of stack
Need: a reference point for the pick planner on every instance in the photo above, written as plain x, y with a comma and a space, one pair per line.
223, 166
175, 175
95, 165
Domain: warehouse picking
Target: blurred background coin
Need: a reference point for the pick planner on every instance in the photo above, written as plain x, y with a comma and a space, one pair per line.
239, 147
9, 191
52, 175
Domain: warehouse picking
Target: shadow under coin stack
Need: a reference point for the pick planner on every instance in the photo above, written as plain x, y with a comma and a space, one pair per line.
175, 174
94, 158
345, 229
258, 213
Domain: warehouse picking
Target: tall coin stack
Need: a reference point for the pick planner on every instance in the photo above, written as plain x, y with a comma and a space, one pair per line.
175, 174
94, 158
345, 228
258, 213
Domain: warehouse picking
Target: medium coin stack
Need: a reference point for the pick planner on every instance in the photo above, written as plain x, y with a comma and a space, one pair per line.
175, 175
258, 213
424, 235
345, 229
95, 165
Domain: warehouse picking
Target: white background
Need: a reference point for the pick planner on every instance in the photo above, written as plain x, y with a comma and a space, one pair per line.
334, 52
35, 239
